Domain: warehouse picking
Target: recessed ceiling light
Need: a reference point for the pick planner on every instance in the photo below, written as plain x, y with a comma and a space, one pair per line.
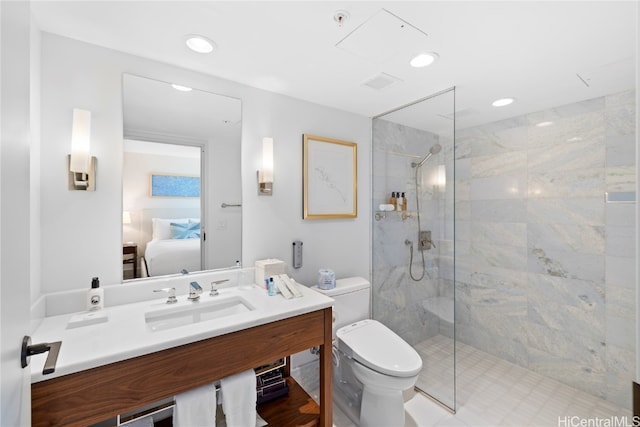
181, 88
200, 44
423, 59
502, 102
544, 124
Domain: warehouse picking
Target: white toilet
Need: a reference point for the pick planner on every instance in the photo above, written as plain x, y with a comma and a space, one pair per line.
372, 365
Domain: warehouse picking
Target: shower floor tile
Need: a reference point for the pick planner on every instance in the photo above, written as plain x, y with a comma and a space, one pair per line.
494, 392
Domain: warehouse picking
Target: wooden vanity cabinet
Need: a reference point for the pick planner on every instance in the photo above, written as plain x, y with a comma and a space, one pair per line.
96, 394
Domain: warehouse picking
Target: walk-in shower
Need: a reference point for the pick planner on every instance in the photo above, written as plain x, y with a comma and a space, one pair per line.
413, 152
531, 264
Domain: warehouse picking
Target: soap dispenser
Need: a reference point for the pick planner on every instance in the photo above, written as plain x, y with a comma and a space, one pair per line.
95, 295
400, 202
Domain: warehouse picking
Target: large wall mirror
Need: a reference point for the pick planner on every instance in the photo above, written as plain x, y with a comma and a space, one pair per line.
181, 195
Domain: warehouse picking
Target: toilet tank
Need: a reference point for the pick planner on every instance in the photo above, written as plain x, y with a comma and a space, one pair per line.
352, 297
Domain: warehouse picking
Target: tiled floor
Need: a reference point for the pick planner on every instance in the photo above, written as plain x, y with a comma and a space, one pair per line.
493, 392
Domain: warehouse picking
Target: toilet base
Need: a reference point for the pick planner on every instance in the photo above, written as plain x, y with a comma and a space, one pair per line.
381, 408
379, 403
348, 406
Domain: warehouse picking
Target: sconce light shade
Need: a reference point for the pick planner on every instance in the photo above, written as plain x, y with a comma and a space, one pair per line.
126, 217
265, 175
80, 141
441, 180
81, 164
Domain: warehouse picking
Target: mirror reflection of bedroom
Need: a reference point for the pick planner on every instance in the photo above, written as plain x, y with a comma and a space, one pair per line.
161, 210
181, 184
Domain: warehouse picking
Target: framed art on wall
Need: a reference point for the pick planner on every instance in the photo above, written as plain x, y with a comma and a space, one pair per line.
330, 181
174, 186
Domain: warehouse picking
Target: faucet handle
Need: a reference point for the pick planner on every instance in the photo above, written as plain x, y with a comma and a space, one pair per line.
194, 291
172, 294
214, 291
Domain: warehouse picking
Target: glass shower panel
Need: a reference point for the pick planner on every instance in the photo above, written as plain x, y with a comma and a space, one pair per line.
413, 247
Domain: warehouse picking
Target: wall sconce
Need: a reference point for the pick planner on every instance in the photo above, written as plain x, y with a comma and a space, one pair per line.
82, 166
265, 175
440, 179
126, 217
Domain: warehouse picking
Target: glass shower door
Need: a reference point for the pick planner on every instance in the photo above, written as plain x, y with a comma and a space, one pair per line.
413, 244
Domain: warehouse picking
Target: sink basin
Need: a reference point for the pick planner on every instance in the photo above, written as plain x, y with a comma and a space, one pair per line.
174, 317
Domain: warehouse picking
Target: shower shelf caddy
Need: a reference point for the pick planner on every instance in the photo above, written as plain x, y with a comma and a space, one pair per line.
379, 215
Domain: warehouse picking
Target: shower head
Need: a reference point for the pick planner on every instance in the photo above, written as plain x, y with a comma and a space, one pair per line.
435, 149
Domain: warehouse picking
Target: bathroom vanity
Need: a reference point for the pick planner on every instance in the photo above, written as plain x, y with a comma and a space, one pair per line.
145, 352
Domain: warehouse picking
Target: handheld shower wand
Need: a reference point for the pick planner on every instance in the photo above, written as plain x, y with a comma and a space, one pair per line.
435, 149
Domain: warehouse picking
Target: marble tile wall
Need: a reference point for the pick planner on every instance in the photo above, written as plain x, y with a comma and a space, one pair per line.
413, 309
544, 268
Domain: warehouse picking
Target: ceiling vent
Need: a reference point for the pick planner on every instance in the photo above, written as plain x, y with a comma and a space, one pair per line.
381, 81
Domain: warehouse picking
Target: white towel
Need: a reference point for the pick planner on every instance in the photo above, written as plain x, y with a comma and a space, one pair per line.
196, 408
239, 399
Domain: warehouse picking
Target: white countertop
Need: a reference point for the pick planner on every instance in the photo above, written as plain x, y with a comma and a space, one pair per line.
125, 334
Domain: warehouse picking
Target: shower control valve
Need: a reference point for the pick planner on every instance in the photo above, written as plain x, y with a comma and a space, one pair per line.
425, 240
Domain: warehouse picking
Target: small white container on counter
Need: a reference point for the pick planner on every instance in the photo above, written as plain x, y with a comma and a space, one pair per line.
266, 268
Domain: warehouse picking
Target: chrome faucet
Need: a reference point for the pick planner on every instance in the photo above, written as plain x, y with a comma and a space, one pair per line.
184, 271
171, 299
194, 291
214, 291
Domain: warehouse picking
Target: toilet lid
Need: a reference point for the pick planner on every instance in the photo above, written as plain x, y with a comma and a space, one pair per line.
379, 348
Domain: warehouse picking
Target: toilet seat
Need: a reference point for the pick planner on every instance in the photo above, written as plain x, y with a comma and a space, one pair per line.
378, 348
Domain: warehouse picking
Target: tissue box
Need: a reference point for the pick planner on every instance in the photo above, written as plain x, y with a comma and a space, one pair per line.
266, 268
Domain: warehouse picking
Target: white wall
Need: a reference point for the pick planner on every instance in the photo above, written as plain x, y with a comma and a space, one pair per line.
271, 223
34, 159
16, 74
81, 232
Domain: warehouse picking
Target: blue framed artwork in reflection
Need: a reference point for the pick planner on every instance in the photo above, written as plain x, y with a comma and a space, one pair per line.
175, 186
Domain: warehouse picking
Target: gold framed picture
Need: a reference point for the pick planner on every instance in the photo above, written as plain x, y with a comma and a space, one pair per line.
330, 181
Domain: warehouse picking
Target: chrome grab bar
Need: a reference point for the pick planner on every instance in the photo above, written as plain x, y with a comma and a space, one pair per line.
227, 205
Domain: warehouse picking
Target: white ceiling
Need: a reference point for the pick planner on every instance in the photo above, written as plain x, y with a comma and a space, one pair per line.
531, 51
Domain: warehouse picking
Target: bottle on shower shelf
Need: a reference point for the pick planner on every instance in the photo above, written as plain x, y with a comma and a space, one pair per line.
400, 204
404, 202
393, 200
